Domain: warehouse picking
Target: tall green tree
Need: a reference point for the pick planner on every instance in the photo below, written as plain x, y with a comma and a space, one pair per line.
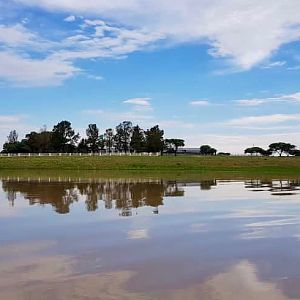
281, 148
137, 142
92, 133
109, 138
154, 139
63, 137
123, 136
174, 144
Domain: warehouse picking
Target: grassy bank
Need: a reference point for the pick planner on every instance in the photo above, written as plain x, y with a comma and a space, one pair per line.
255, 165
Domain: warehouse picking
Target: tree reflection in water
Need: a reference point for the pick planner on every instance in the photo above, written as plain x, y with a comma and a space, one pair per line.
122, 194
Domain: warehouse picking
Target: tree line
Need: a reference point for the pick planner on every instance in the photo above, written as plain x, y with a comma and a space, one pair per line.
278, 148
123, 138
63, 139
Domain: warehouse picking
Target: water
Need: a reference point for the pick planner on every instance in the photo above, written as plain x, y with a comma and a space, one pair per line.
74, 238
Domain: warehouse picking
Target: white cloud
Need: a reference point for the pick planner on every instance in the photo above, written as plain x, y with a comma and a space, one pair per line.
293, 98
15, 35
70, 18
279, 63
246, 32
11, 118
138, 101
251, 102
264, 120
23, 71
56, 59
95, 77
200, 103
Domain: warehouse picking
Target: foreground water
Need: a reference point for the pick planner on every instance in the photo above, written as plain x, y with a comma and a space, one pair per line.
149, 239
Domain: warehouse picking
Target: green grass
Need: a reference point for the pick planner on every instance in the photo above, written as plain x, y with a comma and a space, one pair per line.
194, 164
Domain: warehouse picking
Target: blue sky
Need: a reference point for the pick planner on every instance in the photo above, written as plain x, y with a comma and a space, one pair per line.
220, 72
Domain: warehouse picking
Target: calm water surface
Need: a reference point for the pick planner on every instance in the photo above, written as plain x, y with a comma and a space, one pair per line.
149, 239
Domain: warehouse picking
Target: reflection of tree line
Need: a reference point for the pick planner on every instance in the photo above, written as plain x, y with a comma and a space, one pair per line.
120, 194
276, 187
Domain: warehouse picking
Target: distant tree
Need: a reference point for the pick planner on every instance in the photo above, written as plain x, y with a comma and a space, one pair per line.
174, 144
83, 146
154, 139
123, 136
281, 148
295, 152
255, 150
101, 142
63, 137
224, 154
39, 142
12, 137
207, 150
92, 133
137, 142
13, 145
109, 139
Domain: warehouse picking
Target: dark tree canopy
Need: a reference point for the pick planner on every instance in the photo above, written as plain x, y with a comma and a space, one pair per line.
137, 143
281, 148
172, 145
123, 136
63, 137
154, 139
207, 150
92, 134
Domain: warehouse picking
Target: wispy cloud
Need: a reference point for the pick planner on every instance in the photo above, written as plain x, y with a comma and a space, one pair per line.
293, 98
264, 120
70, 18
200, 103
138, 101
274, 64
246, 33
56, 59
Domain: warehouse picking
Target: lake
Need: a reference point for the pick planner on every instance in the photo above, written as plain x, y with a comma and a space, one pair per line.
73, 237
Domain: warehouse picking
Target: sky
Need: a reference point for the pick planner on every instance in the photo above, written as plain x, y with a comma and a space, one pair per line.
218, 72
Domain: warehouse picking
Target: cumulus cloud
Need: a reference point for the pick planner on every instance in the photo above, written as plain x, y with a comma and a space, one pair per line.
246, 32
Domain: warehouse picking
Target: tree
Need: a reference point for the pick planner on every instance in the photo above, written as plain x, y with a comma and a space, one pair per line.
137, 142
123, 135
13, 145
255, 150
12, 137
101, 142
109, 139
207, 150
224, 154
281, 148
174, 144
39, 142
63, 137
154, 139
83, 146
92, 133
